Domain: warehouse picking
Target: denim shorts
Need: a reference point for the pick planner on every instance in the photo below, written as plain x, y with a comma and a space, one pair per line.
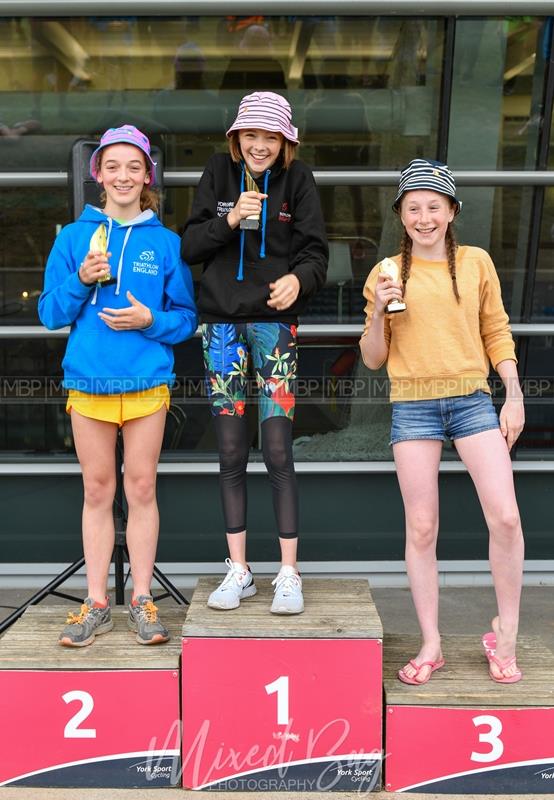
444, 418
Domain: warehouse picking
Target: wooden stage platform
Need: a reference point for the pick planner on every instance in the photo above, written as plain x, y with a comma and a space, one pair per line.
246, 701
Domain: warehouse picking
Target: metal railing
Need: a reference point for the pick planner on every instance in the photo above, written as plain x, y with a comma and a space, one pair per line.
335, 177
306, 330
306, 8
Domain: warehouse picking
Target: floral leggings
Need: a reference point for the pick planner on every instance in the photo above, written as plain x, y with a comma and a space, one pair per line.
272, 349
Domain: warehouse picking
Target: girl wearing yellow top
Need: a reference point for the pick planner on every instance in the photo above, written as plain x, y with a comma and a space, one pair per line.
438, 353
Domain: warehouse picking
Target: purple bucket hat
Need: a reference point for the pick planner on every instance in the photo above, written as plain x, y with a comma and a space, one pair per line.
267, 111
127, 134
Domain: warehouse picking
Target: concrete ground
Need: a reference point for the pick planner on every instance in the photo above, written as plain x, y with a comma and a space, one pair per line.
463, 611
179, 794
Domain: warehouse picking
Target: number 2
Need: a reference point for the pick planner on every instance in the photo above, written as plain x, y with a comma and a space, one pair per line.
281, 686
72, 729
489, 737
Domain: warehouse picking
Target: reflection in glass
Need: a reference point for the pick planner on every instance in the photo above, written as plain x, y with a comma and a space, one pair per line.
537, 439
362, 88
543, 296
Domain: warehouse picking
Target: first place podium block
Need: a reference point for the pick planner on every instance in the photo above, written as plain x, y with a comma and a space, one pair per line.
461, 733
283, 703
105, 715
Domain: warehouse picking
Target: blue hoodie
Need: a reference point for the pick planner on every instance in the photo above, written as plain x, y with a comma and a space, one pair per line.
145, 259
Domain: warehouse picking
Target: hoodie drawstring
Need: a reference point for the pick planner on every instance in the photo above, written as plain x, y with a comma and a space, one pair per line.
240, 270
264, 213
240, 275
95, 293
120, 265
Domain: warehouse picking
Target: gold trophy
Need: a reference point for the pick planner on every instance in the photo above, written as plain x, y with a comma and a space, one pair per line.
99, 244
389, 268
251, 223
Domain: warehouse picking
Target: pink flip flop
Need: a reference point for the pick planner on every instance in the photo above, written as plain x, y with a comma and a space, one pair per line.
435, 665
489, 643
502, 666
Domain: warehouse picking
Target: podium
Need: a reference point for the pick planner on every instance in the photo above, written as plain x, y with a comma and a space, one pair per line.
283, 703
106, 715
461, 733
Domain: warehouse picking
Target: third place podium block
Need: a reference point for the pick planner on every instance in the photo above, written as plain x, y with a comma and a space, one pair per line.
461, 733
283, 703
105, 715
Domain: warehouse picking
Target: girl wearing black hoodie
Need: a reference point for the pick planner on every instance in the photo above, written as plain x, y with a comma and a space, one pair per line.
253, 286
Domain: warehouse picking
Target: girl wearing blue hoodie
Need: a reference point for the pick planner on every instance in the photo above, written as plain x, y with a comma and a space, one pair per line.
116, 277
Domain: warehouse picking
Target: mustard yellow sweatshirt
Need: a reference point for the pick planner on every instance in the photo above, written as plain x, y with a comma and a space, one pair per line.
438, 347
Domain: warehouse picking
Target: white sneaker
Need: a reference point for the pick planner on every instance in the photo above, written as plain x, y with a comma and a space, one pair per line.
235, 586
288, 592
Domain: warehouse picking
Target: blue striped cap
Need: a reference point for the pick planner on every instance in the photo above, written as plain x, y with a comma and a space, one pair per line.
424, 174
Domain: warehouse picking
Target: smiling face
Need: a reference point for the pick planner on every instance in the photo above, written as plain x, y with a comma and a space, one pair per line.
426, 215
123, 174
260, 149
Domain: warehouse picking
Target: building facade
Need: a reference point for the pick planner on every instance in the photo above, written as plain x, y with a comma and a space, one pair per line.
372, 85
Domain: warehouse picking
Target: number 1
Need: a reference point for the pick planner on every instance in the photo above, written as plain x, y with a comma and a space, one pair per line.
281, 686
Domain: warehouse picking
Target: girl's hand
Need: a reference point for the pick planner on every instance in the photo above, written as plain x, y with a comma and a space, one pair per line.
385, 291
135, 317
94, 268
283, 292
248, 204
512, 419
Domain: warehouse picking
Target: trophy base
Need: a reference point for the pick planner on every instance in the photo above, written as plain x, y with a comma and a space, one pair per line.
394, 308
249, 224
109, 282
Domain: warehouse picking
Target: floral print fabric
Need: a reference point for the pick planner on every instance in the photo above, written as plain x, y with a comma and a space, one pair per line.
228, 350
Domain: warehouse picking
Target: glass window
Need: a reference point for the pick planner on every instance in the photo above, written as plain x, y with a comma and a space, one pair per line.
365, 93
29, 219
497, 84
537, 439
364, 90
543, 296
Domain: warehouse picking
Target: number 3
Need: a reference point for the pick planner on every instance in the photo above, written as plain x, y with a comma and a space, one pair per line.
490, 737
72, 730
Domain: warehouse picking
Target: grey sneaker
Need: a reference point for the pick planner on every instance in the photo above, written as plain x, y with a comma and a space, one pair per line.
143, 619
82, 628
235, 586
288, 597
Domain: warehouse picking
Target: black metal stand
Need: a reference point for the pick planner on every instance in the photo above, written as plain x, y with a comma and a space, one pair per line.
120, 557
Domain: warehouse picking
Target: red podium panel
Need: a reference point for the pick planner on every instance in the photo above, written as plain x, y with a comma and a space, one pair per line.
282, 714
89, 728
470, 750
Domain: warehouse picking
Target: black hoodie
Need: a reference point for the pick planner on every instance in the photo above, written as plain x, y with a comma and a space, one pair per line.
295, 241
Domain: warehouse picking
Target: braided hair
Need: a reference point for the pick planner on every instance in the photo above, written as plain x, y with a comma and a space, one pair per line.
406, 258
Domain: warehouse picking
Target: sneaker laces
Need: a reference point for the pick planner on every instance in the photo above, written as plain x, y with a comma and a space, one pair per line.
149, 610
287, 582
234, 573
77, 619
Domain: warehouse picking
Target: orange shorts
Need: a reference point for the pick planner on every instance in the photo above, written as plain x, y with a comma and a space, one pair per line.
118, 408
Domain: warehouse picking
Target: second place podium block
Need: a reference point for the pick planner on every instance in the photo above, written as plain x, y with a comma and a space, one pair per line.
107, 715
283, 703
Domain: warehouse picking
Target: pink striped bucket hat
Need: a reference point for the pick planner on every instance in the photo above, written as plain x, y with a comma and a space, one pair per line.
267, 111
